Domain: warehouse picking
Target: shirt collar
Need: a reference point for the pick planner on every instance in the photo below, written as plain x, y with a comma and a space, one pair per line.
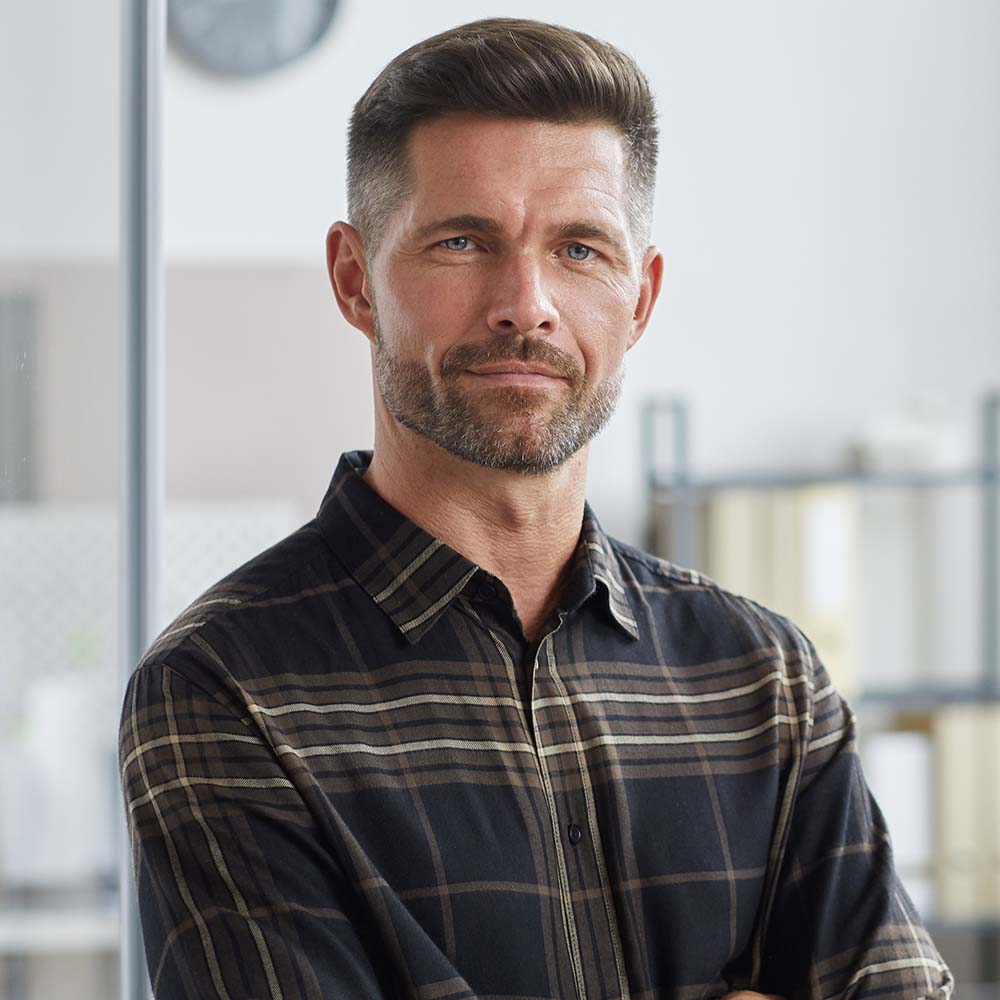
414, 577
607, 570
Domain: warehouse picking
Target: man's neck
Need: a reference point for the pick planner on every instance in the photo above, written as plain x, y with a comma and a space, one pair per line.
521, 528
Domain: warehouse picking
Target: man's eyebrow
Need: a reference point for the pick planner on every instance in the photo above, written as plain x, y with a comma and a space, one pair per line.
584, 229
470, 223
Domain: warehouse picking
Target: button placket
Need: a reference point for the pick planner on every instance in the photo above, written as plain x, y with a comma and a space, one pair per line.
579, 814
569, 917
565, 901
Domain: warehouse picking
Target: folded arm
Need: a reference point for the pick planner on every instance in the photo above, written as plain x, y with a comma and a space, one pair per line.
841, 924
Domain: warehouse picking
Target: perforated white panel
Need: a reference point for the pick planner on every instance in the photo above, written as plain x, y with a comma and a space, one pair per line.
59, 674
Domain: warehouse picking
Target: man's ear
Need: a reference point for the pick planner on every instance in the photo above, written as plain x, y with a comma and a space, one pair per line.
345, 263
650, 280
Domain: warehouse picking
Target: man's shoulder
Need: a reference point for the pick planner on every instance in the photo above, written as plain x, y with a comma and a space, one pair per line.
647, 565
662, 583
240, 599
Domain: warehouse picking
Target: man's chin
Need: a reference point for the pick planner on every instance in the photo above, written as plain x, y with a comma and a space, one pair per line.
517, 462
529, 450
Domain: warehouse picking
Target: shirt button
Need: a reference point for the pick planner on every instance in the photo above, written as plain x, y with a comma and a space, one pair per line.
575, 833
487, 592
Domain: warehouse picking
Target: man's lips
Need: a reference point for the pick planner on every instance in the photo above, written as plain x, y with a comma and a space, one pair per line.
516, 372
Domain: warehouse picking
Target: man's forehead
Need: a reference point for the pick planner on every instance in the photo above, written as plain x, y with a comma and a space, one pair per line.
493, 168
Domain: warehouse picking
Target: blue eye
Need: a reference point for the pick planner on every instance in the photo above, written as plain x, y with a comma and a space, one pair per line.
577, 247
456, 239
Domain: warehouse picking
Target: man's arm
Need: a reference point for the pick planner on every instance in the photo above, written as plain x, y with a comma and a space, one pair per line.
238, 897
841, 924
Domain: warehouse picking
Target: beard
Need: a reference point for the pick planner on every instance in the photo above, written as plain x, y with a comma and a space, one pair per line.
515, 428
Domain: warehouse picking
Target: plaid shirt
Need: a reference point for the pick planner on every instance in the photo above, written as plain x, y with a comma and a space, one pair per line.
348, 775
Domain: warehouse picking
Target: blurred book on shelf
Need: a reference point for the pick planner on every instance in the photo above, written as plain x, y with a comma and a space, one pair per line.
795, 551
898, 765
966, 742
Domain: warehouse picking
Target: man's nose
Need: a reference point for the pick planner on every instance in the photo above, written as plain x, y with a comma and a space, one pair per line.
519, 300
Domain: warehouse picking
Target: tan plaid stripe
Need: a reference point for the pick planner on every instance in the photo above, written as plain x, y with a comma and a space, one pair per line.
348, 775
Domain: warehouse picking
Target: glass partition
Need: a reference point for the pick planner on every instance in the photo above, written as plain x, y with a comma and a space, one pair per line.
60, 440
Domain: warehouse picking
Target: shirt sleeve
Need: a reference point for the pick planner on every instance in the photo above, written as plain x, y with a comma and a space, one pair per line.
841, 924
237, 897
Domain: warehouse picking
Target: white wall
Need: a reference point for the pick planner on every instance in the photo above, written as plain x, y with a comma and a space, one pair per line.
828, 204
59, 75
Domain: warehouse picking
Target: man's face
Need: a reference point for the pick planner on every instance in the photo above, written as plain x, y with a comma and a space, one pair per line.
504, 289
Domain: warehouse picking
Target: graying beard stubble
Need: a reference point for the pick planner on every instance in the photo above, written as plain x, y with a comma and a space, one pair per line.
452, 423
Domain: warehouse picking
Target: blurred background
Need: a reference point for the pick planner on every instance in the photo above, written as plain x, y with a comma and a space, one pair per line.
811, 418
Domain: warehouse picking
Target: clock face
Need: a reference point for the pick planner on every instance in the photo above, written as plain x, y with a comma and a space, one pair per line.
245, 37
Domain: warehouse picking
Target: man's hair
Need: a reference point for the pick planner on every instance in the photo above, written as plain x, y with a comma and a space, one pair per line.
501, 67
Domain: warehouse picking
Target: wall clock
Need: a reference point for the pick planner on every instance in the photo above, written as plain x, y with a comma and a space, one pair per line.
247, 37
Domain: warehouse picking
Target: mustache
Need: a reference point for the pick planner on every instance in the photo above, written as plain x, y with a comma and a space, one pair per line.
514, 347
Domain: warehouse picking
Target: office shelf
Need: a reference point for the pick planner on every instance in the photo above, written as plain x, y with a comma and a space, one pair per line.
682, 489
857, 477
927, 697
58, 930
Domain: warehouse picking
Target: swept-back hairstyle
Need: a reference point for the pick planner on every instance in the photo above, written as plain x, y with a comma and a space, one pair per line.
504, 67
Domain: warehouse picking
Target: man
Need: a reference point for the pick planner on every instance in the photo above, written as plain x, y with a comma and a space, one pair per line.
449, 739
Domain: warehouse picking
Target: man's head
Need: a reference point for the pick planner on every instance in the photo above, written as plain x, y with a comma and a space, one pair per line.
500, 188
